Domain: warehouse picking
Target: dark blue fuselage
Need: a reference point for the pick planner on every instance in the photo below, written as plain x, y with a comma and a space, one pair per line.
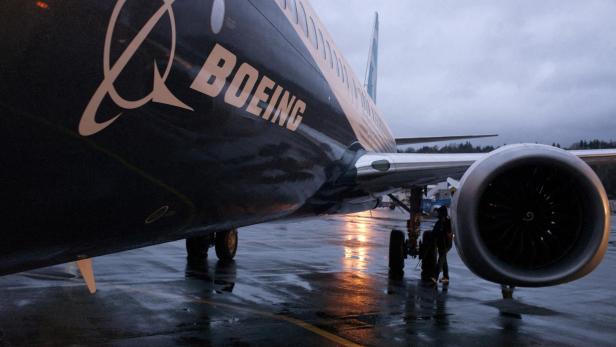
158, 172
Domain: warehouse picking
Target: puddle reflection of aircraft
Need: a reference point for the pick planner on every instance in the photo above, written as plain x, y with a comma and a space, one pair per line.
221, 276
127, 124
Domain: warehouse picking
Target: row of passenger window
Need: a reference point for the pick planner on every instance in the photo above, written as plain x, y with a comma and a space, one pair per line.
310, 29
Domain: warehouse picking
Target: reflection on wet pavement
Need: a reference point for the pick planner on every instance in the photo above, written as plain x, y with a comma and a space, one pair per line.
316, 282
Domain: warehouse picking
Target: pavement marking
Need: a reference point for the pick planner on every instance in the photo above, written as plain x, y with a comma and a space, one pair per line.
298, 322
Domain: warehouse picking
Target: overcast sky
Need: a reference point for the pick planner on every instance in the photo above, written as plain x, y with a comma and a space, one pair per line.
528, 70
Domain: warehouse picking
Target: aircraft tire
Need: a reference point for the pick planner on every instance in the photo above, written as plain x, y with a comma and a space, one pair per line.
226, 244
197, 247
397, 249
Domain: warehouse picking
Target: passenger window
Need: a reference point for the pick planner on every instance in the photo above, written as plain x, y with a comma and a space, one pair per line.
283, 3
336, 62
302, 19
349, 82
293, 9
329, 54
322, 45
312, 33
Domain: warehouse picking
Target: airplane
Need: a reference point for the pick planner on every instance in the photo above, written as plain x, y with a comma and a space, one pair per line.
126, 124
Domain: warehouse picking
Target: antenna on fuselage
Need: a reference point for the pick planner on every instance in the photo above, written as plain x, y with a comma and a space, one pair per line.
372, 65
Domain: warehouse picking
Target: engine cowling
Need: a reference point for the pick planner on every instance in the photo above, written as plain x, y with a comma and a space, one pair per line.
531, 215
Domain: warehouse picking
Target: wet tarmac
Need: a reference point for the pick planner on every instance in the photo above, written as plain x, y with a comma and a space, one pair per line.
316, 282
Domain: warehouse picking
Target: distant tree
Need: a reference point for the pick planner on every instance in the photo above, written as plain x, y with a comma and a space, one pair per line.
607, 173
593, 144
465, 147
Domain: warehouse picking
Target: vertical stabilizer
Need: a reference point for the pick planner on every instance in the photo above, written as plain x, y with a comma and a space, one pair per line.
373, 58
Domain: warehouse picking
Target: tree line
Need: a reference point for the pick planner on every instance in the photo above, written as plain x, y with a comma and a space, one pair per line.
593, 144
607, 173
467, 147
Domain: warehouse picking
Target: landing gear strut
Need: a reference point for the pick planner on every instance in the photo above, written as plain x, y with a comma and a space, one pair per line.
224, 241
398, 247
414, 223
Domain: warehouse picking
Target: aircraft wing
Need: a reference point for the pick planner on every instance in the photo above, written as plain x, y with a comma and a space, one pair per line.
378, 172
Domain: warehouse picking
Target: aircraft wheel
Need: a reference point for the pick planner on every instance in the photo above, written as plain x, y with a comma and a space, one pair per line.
197, 247
226, 244
397, 249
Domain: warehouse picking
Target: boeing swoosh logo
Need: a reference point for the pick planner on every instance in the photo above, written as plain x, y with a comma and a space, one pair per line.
160, 93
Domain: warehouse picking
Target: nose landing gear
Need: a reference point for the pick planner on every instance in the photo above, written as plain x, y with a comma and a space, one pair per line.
225, 243
197, 247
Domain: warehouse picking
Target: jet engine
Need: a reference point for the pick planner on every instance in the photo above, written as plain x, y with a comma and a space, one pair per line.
531, 215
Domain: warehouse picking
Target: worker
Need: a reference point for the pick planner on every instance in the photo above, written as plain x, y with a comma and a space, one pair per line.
443, 239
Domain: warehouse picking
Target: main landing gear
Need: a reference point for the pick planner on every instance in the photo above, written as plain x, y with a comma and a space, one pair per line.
225, 243
397, 252
399, 246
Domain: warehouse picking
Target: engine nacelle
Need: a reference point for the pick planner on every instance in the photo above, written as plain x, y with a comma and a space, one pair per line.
531, 215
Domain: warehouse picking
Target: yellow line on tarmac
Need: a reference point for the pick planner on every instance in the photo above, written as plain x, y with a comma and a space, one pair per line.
300, 323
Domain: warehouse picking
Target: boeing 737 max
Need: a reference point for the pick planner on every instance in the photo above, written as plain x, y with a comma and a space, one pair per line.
130, 123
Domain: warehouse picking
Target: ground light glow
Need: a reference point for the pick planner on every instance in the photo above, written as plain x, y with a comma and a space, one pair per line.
358, 233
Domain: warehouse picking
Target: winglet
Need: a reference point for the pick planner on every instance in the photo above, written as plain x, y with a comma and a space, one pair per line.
85, 267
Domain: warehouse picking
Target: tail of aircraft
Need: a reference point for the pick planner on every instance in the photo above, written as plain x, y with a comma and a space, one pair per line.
373, 55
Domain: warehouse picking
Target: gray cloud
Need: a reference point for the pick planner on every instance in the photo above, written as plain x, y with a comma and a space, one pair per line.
528, 70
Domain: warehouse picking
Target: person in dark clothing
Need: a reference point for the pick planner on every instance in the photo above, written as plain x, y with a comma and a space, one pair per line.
443, 239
